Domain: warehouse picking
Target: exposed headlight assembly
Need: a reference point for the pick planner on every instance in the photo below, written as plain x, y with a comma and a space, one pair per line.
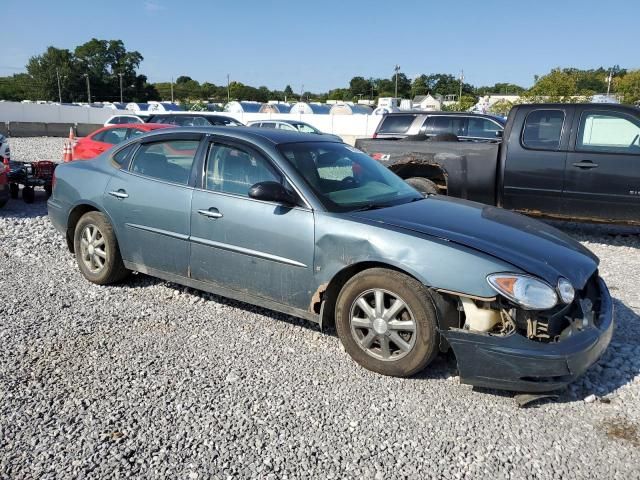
528, 292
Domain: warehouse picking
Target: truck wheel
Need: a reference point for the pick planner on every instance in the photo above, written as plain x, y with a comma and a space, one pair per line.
97, 252
423, 185
387, 323
14, 190
28, 194
3, 203
49, 190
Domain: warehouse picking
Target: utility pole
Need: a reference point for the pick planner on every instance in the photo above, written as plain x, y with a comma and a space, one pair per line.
461, 80
86, 75
609, 81
171, 89
302, 93
120, 75
396, 69
59, 87
228, 89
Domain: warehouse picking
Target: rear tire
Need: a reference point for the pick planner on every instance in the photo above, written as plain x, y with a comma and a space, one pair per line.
14, 190
3, 203
28, 194
97, 251
386, 337
48, 189
423, 185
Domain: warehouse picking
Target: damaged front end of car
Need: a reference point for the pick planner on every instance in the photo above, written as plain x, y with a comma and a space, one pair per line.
506, 343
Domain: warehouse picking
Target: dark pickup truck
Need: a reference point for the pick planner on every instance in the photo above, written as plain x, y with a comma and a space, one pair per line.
566, 161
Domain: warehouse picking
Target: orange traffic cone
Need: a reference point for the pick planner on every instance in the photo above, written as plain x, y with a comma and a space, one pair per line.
72, 138
5, 162
67, 152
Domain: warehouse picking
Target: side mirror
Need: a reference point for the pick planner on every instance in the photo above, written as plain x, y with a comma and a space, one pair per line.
272, 192
499, 133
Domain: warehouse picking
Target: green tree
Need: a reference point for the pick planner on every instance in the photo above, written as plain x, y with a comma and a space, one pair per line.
468, 101
556, 86
628, 86
420, 85
501, 107
359, 86
45, 69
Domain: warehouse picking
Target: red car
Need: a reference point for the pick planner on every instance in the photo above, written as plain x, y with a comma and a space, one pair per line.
103, 139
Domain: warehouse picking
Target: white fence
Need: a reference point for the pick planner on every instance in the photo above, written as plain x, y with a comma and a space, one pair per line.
35, 112
349, 127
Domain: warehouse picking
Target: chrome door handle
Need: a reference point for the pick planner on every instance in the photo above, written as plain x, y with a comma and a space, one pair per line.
211, 213
585, 164
119, 194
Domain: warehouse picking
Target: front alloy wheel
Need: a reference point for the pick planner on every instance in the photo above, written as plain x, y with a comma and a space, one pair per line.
382, 324
387, 323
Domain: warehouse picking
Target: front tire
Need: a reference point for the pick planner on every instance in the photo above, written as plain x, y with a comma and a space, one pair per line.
423, 185
97, 251
386, 322
14, 190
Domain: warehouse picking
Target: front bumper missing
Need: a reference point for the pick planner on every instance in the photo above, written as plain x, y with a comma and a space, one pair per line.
519, 364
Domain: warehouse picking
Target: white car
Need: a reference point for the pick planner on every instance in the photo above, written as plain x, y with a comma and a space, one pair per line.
123, 119
292, 126
5, 152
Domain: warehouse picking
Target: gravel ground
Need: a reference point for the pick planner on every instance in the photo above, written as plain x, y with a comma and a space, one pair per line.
36, 148
150, 379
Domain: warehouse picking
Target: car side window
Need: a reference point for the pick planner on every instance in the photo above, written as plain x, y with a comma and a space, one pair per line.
268, 125
134, 132
120, 157
443, 124
605, 131
543, 129
169, 160
482, 128
230, 169
286, 126
112, 136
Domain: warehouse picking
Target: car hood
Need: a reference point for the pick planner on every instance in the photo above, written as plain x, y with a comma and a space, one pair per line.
528, 244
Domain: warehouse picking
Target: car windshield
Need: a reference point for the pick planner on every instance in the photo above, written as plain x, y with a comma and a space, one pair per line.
346, 179
304, 128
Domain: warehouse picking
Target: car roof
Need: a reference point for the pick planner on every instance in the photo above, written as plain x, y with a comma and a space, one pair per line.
139, 126
253, 134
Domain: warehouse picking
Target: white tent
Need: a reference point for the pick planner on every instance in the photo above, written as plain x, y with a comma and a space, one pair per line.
350, 109
243, 107
310, 108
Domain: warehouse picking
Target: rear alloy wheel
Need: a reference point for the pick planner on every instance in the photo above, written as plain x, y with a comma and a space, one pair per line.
423, 185
97, 252
386, 322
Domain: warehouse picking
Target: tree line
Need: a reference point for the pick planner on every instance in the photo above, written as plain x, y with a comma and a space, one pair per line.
104, 70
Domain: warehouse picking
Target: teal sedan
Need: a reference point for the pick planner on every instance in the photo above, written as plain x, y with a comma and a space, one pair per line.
317, 229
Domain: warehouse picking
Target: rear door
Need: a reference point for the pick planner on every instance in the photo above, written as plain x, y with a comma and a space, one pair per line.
149, 200
446, 125
602, 178
399, 125
536, 153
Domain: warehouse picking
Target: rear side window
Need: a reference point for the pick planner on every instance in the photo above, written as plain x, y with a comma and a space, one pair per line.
602, 131
120, 157
396, 123
443, 124
170, 160
543, 129
112, 136
483, 128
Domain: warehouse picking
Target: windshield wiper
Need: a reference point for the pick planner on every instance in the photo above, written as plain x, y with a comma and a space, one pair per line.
369, 206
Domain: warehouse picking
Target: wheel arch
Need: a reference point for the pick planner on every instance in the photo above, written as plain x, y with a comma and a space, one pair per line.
75, 214
430, 171
326, 296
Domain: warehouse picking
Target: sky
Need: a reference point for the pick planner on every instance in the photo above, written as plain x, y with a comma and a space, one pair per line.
323, 44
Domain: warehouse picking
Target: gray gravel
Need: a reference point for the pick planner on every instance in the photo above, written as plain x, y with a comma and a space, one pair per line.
31, 149
150, 379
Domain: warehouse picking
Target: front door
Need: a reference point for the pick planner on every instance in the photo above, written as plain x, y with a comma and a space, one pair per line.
150, 203
255, 247
602, 176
